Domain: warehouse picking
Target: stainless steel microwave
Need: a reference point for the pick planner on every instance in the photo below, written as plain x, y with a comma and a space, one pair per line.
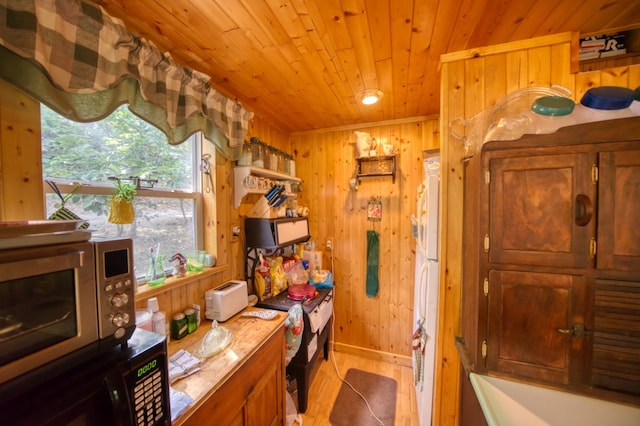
63, 300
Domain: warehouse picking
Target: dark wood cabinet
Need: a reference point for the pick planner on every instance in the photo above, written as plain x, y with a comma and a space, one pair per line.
531, 218
526, 312
551, 280
619, 211
253, 395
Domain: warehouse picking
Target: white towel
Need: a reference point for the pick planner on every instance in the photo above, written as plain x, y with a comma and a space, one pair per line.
182, 364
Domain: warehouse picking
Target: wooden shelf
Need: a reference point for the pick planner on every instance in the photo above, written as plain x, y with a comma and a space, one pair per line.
146, 291
380, 166
241, 172
632, 55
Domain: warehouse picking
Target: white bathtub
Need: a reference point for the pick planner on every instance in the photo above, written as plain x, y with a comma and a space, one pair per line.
507, 403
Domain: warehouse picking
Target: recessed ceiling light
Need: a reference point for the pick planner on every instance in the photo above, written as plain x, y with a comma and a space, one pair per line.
370, 96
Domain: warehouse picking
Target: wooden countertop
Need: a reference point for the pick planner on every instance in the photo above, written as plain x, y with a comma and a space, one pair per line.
248, 336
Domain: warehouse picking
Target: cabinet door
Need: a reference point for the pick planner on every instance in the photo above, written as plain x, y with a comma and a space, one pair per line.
530, 315
264, 405
619, 211
541, 210
616, 336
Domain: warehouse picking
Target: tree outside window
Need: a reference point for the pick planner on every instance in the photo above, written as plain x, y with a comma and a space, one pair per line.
168, 203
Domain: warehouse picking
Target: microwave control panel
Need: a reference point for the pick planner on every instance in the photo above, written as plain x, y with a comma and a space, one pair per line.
116, 289
149, 398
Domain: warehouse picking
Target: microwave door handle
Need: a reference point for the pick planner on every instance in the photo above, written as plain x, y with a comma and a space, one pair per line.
121, 407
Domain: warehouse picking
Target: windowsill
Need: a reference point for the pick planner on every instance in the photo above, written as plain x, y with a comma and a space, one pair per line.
145, 291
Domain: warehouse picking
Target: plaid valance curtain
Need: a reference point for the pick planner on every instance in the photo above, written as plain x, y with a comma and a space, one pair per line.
79, 61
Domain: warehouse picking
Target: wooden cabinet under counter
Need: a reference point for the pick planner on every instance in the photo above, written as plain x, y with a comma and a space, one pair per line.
245, 383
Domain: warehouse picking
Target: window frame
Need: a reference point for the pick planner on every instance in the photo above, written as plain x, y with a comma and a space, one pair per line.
94, 188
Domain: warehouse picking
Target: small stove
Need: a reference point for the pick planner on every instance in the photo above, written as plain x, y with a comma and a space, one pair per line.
317, 320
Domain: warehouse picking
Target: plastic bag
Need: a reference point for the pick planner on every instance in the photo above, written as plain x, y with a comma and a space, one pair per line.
292, 413
278, 276
262, 279
297, 274
293, 328
321, 278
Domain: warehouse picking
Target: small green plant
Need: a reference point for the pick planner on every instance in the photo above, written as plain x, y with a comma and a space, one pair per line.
125, 191
122, 211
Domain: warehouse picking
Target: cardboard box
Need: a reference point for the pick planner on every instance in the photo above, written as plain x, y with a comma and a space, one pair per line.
602, 46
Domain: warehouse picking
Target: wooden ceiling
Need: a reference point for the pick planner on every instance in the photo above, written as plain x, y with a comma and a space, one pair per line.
299, 64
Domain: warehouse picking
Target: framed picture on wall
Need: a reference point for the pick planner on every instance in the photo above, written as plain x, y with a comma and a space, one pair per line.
374, 209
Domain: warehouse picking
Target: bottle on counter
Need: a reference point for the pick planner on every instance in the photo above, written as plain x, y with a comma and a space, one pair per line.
192, 320
179, 327
158, 318
196, 308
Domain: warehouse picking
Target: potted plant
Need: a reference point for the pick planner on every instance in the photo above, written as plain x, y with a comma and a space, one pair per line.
121, 211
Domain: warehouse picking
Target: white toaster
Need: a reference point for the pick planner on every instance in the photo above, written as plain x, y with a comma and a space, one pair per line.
226, 300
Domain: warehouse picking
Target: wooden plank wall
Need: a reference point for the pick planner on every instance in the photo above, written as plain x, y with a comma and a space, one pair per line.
220, 217
471, 81
21, 196
325, 160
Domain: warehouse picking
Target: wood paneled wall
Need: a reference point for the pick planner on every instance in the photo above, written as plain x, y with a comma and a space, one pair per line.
21, 196
381, 326
473, 80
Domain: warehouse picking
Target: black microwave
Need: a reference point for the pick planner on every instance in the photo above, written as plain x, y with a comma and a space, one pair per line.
121, 387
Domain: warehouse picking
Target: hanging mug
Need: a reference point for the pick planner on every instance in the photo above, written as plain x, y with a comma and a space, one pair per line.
250, 182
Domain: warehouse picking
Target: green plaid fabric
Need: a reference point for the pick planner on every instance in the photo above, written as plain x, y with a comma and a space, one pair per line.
83, 50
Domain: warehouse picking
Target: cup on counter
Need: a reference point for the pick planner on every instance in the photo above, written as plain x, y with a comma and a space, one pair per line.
209, 260
195, 261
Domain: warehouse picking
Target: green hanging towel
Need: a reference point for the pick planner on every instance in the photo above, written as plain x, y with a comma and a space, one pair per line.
373, 254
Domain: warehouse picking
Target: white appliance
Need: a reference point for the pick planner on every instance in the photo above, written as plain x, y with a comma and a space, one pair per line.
225, 301
425, 305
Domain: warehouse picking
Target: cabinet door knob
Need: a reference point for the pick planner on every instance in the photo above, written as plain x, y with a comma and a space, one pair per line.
578, 330
583, 210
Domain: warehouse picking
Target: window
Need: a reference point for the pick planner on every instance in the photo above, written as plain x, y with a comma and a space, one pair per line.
80, 158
